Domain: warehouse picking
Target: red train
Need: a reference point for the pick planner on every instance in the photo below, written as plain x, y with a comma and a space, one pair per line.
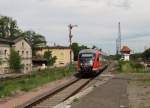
91, 61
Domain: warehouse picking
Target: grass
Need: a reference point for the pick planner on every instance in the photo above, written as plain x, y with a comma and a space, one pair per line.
36, 79
76, 100
132, 67
135, 71
144, 78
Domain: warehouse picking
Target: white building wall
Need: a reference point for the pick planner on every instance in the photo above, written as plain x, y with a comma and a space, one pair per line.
126, 57
62, 55
4, 56
25, 51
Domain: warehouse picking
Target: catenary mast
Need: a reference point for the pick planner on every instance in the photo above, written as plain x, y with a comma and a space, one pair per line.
118, 40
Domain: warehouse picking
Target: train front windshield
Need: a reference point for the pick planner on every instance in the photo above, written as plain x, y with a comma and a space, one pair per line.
86, 58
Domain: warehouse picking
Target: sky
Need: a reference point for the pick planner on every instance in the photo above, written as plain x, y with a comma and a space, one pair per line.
97, 21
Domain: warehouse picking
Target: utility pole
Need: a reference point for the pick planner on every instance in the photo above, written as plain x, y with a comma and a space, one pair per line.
117, 52
119, 36
118, 40
70, 40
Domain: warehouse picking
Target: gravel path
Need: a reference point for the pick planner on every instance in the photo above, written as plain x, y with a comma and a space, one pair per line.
139, 94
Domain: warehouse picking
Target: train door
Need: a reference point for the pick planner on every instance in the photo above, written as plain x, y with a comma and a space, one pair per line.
100, 61
97, 63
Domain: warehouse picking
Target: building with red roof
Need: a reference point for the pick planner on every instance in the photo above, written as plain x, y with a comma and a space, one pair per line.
125, 52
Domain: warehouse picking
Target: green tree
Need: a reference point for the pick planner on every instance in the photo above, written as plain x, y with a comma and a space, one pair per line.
136, 56
8, 27
146, 54
48, 55
34, 39
83, 47
94, 47
100, 49
76, 48
14, 61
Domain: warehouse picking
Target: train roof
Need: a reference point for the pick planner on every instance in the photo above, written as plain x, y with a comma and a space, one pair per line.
89, 51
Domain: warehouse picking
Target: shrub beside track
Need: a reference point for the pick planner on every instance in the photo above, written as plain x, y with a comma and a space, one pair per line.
12, 86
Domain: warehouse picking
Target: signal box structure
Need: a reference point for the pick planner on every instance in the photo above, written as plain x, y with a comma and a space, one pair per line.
125, 52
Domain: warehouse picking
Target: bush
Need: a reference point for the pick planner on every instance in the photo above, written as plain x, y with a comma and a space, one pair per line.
14, 61
146, 54
51, 60
124, 66
9, 87
130, 66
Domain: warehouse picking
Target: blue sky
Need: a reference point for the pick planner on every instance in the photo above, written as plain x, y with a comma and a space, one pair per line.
96, 19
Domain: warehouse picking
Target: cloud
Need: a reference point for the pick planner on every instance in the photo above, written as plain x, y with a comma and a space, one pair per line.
96, 19
126, 4
136, 36
138, 44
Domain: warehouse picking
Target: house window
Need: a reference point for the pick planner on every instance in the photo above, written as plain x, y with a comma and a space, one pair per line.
18, 51
26, 66
22, 44
27, 53
22, 52
5, 52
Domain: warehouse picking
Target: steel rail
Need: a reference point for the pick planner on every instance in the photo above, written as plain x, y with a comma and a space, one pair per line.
41, 98
62, 95
44, 96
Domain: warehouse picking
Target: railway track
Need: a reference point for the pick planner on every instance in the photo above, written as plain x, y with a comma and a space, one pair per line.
58, 95
62, 95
